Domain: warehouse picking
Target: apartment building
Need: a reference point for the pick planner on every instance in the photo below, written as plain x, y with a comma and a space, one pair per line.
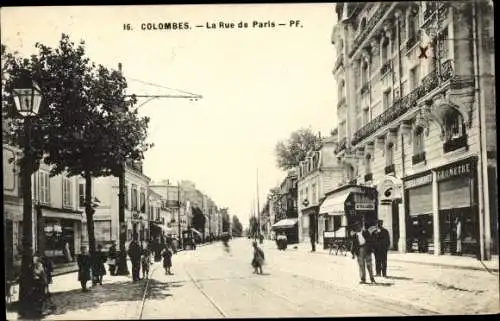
318, 174
416, 120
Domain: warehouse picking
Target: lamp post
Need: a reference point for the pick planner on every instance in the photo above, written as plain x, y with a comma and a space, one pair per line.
27, 100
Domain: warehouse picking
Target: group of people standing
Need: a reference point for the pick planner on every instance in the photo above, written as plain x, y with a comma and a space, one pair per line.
365, 242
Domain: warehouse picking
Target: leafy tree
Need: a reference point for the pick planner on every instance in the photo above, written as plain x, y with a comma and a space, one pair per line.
198, 221
253, 226
237, 227
86, 126
294, 150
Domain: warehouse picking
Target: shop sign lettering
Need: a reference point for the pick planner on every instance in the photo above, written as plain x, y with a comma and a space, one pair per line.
418, 181
458, 170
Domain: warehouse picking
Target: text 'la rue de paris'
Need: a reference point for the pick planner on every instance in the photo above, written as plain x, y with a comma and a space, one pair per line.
252, 24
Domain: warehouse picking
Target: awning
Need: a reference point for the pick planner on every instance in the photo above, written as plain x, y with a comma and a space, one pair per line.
334, 204
286, 223
197, 232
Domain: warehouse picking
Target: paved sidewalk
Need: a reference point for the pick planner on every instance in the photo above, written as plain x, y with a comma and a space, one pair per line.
118, 296
461, 262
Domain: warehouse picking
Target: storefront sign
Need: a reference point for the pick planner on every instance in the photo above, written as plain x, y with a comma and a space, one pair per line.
364, 206
454, 171
418, 181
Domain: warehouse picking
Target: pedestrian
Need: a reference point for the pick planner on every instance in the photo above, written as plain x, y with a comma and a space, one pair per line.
167, 260
258, 258
39, 285
98, 268
312, 237
146, 262
157, 250
362, 248
382, 244
134, 252
49, 268
458, 233
67, 253
112, 257
84, 267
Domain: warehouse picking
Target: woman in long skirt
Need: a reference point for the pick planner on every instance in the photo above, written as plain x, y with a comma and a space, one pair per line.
84, 267
98, 268
258, 258
167, 260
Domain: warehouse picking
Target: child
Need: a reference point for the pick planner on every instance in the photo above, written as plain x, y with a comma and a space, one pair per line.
146, 262
167, 260
258, 258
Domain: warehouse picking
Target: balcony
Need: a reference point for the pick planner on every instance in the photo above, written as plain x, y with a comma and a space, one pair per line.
455, 143
374, 20
368, 177
341, 145
389, 169
400, 106
447, 71
418, 158
431, 9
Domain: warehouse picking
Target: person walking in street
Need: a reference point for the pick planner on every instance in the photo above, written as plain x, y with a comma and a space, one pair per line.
146, 262
258, 258
98, 268
134, 252
84, 267
167, 260
382, 244
112, 257
362, 248
39, 285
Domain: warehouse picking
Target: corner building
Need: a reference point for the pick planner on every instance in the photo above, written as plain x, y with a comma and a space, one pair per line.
416, 120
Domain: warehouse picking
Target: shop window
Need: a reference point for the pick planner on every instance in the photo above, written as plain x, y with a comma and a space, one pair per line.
418, 146
43, 187
143, 201
454, 130
67, 197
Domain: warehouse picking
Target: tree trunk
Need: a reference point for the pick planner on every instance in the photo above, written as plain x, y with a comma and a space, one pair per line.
89, 212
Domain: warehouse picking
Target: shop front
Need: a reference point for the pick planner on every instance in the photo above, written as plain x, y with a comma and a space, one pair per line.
60, 233
458, 208
345, 207
419, 207
310, 215
289, 226
442, 210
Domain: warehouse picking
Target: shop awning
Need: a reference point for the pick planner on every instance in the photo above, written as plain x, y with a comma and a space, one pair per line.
196, 231
286, 223
334, 204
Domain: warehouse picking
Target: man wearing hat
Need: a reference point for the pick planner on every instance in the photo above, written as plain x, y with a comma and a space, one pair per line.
382, 244
362, 248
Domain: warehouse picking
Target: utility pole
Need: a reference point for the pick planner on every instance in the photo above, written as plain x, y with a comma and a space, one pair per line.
179, 213
258, 205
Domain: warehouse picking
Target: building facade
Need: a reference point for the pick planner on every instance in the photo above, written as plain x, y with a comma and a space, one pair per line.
318, 174
416, 115
106, 218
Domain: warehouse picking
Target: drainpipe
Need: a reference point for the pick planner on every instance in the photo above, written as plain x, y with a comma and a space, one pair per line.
484, 219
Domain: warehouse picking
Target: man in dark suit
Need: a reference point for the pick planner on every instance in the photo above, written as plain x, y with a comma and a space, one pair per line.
134, 252
362, 248
382, 244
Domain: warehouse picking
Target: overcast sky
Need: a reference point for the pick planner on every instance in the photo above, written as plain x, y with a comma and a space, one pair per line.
258, 84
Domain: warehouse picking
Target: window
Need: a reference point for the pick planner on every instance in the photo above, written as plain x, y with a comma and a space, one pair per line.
413, 26
453, 124
366, 116
67, 202
126, 197
418, 141
443, 46
414, 77
368, 163
362, 26
387, 99
143, 201
43, 187
385, 54
81, 194
307, 195
151, 212
313, 191
389, 156
350, 173
133, 201
157, 214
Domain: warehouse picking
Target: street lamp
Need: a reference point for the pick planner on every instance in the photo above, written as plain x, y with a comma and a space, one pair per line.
27, 100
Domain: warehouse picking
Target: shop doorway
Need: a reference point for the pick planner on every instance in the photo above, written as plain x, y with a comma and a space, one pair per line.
459, 229
395, 225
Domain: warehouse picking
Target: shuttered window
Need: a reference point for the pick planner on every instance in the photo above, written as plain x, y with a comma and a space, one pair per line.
420, 200
454, 193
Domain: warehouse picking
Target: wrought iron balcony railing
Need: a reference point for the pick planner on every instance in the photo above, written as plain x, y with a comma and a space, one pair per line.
455, 143
341, 146
376, 18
